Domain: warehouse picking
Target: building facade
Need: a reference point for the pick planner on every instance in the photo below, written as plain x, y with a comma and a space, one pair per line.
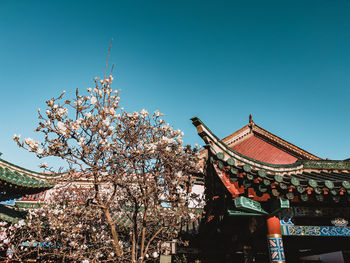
268, 200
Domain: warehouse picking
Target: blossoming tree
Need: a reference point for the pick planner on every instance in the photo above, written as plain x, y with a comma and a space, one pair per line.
120, 164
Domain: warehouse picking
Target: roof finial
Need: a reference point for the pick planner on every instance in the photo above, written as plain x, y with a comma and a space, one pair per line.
250, 118
251, 122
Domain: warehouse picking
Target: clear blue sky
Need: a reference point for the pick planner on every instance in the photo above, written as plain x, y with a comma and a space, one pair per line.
286, 62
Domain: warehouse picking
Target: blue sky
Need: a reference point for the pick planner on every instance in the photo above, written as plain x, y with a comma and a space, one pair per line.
286, 62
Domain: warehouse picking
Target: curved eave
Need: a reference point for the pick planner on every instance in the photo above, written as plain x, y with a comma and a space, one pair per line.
30, 173
216, 145
21, 182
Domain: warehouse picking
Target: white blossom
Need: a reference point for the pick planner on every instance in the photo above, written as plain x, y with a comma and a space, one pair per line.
40, 151
93, 100
62, 111
61, 127
31, 143
106, 122
144, 113
16, 137
81, 141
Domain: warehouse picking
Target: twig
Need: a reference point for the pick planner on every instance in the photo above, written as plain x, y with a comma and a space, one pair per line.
109, 51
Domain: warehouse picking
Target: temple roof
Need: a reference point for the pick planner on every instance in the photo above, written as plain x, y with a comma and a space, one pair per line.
259, 149
16, 181
260, 144
302, 179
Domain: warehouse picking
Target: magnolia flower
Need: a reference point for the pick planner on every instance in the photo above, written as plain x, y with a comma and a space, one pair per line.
16, 137
112, 111
62, 111
81, 141
179, 140
93, 100
168, 149
31, 143
151, 147
56, 212
88, 114
168, 140
50, 103
40, 151
72, 243
76, 125
155, 254
89, 89
106, 122
21, 223
61, 127
78, 102
144, 113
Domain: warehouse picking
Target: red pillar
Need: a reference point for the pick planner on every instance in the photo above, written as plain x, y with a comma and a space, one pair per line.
274, 240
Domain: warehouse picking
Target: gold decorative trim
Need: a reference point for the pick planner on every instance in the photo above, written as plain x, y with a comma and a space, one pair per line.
274, 235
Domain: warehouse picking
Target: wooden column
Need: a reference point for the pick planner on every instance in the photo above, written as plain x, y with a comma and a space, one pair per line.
274, 240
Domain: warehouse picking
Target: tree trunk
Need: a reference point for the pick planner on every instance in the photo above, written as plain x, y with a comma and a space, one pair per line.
116, 244
133, 253
143, 240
